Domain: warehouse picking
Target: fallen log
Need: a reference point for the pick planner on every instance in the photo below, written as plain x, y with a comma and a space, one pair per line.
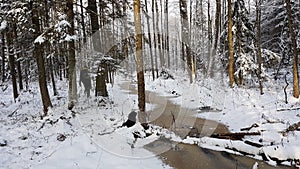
234, 136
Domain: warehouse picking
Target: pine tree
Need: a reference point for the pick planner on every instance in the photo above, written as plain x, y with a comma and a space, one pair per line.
244, 42
243, 64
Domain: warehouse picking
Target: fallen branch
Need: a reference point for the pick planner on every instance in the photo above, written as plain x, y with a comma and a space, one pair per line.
289, 109
234, 136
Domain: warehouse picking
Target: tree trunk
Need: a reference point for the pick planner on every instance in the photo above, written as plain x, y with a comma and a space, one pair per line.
93, 12
167, 32
20, 79
230, 47
158, 33
71, 57
3, 57
100, 89
27, 62
162, 18
258, 43
139, 59
82, 22
295, 50
38, 51
209, 33
125, 36
18, 58
217, 28
185, 36
150, 42
193, 57
11, 57
55, 93
154, 36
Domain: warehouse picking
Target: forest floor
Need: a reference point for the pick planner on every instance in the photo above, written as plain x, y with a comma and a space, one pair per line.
90, 136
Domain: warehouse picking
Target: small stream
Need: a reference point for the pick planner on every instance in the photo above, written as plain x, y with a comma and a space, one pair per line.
181, 121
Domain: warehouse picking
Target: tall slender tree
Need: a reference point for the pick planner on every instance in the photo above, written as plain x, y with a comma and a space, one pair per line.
154, 36
150, 41
185, 36
140, 62
38, 51
71, 57
230, 47
216, 38
11, 57
295, 49
2, 56
258, 44
100, 89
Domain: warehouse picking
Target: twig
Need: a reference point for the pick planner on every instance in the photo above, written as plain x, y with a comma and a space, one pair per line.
10, 115
287, 84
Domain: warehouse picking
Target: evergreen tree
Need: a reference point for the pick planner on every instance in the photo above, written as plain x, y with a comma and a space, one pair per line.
244, 43
275, 31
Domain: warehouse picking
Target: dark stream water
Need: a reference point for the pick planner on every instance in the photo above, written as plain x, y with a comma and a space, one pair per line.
185, 156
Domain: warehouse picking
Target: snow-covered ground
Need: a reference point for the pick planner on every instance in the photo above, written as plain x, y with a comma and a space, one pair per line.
88, 137
241, 108
91, 137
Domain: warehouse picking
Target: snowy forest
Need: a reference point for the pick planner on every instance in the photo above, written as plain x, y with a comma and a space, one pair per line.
149, 84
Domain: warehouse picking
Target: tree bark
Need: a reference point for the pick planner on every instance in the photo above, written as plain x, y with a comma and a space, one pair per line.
230, 47
258, 43
11, 57
158, 33
82, 22
185, 36
71, 57
15, 36
140, 62
38, 51
295, 50
217, 28
125, 36
154, 36
3, 57
150, 42
100, 89
167, 44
